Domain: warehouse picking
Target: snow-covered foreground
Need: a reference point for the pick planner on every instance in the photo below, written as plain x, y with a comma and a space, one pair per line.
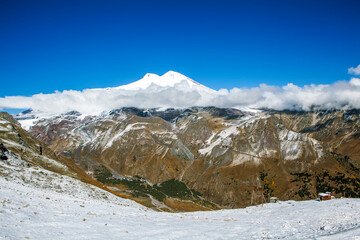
38, 204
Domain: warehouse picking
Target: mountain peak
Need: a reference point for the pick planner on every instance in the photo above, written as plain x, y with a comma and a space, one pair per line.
150, 75
169, 79
173, 74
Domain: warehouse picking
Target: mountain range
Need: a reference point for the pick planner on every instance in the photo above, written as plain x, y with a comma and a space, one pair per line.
229, 157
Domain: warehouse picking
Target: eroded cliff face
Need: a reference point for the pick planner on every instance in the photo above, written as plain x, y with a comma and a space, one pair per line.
222, 153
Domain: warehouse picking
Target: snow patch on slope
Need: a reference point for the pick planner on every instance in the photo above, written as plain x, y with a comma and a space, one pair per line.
221, 138
293, 145
27, 123
130, 127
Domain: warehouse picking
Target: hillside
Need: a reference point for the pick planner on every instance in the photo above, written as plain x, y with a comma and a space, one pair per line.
19, 144
42, 198
221, 153
39, 204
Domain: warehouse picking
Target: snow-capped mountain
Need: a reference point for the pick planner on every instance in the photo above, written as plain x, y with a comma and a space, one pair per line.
174, 90
41, 196
177, 159
169, 79
221, 153
22, 155
152, 91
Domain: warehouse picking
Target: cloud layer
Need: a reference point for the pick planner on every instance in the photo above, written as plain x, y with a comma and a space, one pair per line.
339, 95
355, 71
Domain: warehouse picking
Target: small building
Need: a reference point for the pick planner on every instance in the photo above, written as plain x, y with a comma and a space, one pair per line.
325, 196
274, 200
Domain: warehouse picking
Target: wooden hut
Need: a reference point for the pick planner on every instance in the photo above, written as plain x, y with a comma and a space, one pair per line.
325, 196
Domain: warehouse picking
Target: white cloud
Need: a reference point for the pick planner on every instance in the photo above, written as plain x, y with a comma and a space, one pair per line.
355, 81
355, 71
339, 95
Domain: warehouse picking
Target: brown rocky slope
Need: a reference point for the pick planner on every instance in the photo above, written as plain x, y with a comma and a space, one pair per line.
222, 153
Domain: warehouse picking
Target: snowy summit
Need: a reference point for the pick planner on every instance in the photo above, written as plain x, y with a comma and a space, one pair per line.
175, 90
169, 79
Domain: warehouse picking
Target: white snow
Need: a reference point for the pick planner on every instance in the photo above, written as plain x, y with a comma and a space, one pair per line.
292, 145
5, 126
39, 204
130, 127
8, 143
208, 141
27, 123
223, 137
249, 109
169, 79
3, 129
31, 118
31, 213
351, 234
245, 157
318, 148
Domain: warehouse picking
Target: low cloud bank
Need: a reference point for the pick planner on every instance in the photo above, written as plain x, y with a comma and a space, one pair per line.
339, 95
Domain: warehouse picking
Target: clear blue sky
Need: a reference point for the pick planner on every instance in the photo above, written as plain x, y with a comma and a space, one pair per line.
56, 45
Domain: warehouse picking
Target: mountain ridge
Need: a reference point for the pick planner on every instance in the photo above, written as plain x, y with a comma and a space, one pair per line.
221, 153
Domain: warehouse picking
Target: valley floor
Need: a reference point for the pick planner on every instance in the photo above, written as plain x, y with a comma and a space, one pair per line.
38, 204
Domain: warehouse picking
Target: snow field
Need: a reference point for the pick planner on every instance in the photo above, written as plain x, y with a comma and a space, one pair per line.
32, 212
40, 204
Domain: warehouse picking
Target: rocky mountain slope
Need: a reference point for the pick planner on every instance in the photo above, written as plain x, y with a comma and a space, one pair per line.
23, 155
19, 147
41, 197
225, 154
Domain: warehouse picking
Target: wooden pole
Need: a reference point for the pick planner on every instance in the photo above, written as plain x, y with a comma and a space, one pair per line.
252, 197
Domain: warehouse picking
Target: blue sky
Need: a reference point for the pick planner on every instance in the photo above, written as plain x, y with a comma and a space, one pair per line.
58, 45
